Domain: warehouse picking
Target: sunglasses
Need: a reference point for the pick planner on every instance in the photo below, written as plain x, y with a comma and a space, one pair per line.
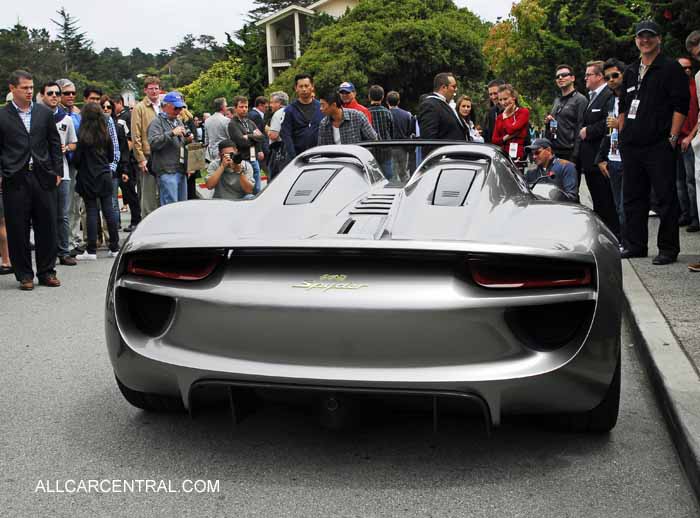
107, 107
613, 75
52, 93
688, 68
68, 93
562, 75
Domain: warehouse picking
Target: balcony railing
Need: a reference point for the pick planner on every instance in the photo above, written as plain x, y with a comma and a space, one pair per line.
282, 53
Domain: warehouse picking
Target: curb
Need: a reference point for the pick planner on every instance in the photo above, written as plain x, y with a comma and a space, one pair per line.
675, 381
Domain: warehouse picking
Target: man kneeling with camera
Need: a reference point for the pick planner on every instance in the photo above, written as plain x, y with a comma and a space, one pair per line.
229, 176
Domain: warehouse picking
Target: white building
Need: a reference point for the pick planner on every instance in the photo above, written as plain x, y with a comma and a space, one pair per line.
284, 28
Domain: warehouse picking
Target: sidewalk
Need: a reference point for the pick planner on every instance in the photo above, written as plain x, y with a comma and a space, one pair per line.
663, 305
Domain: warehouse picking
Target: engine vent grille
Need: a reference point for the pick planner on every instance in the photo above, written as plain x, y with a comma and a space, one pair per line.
378, 204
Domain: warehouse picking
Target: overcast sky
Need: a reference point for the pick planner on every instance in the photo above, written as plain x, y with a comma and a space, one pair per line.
155, 24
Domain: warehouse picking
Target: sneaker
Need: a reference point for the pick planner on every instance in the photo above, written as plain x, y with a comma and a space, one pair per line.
86, 257
694, 267
113, 254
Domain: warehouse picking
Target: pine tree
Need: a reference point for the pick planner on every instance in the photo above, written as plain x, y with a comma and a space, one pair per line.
74, 44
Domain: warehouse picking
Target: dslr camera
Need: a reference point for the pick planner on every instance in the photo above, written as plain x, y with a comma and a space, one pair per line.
236, 157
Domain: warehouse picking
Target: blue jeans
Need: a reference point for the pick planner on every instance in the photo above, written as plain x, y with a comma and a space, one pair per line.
91, 207
65, 193
173, 187
615, 170
256, 176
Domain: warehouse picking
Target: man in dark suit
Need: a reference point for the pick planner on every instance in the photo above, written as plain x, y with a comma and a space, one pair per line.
436, 118
591, 134
31, 166
257, 115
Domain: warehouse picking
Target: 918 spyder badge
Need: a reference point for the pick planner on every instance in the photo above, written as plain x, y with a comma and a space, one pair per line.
329, 282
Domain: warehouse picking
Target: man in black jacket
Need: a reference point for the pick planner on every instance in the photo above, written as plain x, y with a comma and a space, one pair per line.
594, 128
248, 138
653, 106
436, 118
31, 166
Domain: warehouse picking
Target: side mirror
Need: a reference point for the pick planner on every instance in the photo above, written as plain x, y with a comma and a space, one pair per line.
548, 176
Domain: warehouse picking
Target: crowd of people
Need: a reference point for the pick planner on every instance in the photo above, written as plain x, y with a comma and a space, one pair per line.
633, 136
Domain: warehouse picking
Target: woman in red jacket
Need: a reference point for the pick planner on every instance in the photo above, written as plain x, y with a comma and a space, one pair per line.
511, 126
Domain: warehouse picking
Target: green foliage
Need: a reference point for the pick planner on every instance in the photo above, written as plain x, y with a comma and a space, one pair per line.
74, 44
252, 54
400, 45
677, 18
221, 80
31, 50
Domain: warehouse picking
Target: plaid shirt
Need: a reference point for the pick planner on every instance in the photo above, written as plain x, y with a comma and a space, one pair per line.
382, 122
353, 129
115, 144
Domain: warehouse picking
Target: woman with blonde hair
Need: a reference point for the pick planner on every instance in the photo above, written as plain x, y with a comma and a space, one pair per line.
512, 124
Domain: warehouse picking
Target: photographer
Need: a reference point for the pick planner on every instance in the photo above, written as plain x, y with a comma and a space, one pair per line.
229, 175
167, 137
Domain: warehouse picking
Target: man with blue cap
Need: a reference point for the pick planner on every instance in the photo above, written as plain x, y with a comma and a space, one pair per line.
348, 95
167, 137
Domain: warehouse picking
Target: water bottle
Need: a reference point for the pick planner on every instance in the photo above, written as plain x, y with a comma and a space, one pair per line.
613, 142
553, 126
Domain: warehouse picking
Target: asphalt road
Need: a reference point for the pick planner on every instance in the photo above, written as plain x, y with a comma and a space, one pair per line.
64, 419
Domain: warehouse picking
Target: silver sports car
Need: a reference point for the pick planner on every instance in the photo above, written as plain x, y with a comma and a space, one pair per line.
398, 268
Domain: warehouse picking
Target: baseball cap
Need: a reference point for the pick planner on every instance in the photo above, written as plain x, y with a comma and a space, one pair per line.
346, 86
174, 98
539, 143
647, 26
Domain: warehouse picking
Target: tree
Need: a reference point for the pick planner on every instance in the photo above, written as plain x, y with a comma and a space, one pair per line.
74, 44
28, 49
220, 80
677, 18
400, 45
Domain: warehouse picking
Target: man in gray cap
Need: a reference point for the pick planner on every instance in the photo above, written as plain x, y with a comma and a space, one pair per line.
551, 169
654, 102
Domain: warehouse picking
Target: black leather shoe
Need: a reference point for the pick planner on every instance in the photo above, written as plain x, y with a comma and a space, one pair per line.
692, 228
6, 270
628, 254
663, 259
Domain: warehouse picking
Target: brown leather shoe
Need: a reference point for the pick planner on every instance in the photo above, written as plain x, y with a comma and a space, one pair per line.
67, 261
26, 285
50, 280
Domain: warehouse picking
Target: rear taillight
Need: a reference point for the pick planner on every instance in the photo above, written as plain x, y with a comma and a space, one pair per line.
178, 265
529, 274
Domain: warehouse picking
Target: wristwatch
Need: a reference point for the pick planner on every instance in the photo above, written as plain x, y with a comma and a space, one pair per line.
673, 139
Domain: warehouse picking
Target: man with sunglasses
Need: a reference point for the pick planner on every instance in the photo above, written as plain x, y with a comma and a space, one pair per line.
167, 137
50, 94
68, 97
608, 159
653, 106
565, 119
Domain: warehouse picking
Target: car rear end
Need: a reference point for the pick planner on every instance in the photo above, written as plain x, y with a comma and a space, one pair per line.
521, 330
